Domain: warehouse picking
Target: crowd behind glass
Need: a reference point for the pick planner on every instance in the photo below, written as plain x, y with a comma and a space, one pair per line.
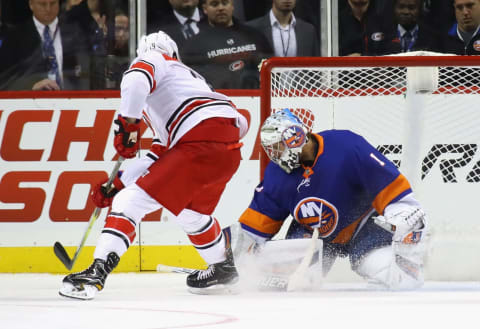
84, 44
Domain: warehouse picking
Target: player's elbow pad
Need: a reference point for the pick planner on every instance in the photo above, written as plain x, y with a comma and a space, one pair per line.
135, 83
134, 92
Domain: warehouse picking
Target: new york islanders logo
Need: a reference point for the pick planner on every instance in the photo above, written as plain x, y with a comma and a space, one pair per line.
316, 212
294, 136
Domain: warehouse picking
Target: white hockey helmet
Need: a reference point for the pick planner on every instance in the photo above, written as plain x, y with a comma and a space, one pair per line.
158, 41
283, 136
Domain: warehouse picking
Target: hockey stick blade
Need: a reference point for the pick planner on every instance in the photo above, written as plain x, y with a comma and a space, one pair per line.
174, 269
60, 251
62, 254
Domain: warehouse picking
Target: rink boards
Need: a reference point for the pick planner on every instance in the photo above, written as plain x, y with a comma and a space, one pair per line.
53, 149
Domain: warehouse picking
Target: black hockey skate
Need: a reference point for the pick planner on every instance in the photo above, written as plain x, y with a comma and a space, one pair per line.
85, 284
216, 279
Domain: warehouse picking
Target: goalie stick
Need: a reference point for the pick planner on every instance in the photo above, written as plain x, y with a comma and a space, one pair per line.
297, 278
58, 248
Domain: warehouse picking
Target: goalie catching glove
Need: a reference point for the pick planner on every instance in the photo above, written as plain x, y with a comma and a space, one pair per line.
127, 136
102, 197
402, 221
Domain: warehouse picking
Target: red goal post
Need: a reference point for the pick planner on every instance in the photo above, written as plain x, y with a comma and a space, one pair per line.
421, 110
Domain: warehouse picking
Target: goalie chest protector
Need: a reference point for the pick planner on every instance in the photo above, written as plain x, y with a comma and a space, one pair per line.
349, 178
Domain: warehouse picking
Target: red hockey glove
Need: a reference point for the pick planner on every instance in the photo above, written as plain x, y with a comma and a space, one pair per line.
103, 198
127, 136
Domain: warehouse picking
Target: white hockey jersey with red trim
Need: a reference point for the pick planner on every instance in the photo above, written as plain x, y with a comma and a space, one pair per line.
171, 97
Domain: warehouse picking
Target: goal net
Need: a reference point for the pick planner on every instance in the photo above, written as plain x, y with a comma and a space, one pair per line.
422, 111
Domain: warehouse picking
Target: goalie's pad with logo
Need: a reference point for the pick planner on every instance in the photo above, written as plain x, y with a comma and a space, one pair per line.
269, 266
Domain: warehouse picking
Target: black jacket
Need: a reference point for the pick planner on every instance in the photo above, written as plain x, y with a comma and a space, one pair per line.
307, 39
427, 39
169, 24
227, 58
452, 44
366, 37
23, 64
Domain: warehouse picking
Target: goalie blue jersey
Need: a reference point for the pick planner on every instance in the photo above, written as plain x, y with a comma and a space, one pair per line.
348, 181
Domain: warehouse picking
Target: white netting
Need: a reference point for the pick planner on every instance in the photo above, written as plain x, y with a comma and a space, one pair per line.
296, 86
424, 116
368, 81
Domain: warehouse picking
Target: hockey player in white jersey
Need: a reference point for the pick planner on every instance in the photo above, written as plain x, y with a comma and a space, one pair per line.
195, 153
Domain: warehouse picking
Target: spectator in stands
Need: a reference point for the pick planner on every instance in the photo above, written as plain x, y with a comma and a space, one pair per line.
181, 23
119, 60
91, 17
464, 37
361, 31
226, 52
122, 33
438, 14
98, 11
45, 52
409, 33
287, 35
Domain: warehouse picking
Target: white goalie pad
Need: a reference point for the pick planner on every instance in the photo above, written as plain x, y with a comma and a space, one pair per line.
271, 266
395, 267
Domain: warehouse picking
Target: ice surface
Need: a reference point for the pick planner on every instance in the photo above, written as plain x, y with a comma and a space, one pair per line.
160, 300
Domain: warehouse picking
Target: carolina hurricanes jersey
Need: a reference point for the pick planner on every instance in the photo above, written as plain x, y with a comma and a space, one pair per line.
348, 181
171, 97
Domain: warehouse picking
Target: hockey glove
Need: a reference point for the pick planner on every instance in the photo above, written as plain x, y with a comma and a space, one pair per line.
127, 136
103, 198
402, 222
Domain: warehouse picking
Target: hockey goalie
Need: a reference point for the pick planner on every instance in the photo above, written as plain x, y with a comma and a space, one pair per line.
337, 184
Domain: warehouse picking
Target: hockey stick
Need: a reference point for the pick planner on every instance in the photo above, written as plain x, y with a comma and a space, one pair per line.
174, 269
296, 278
60, 251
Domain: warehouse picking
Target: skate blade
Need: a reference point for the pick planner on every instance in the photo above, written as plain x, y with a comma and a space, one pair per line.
218, 289
69, 291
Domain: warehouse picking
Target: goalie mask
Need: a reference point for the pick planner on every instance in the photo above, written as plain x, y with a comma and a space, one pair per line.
283, 136
159, 41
